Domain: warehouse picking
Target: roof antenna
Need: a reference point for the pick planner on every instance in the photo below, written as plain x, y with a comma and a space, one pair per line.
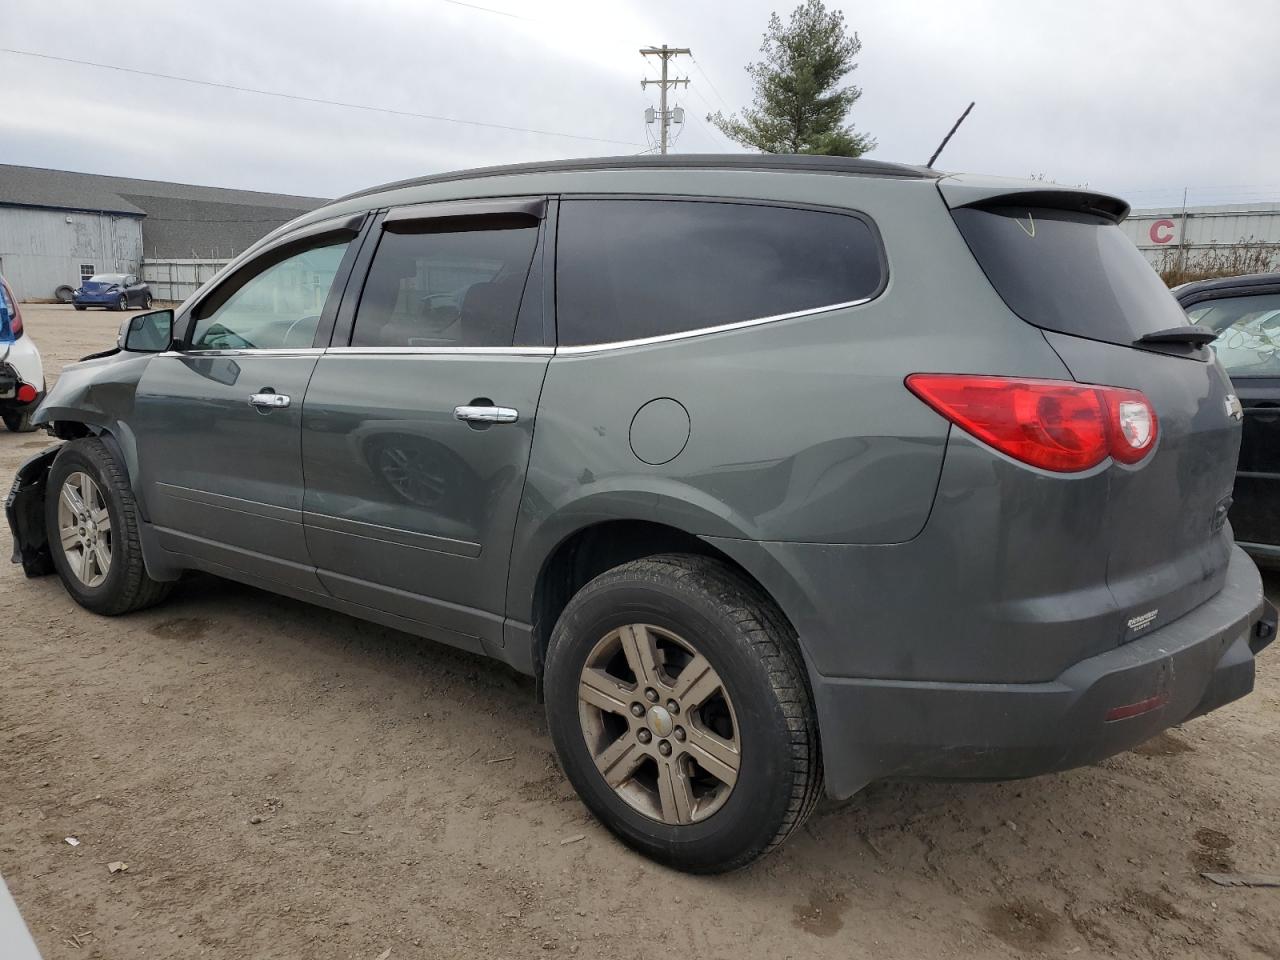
950, 133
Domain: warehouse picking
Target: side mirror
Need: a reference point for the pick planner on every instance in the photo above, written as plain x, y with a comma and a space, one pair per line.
147, 332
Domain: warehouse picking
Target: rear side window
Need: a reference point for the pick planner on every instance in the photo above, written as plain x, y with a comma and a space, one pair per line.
629, 269
443, 287
1067, 271
1248, 331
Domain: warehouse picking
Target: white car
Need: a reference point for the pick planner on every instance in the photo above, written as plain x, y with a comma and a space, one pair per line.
21, 370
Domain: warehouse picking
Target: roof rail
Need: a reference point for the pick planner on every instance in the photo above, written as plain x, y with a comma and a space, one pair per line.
798, 163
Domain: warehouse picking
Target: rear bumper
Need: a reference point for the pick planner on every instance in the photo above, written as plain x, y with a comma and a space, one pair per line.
876, 729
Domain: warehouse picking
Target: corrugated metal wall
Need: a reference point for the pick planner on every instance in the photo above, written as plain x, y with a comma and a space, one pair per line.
41, 249
178, 279
1156, 232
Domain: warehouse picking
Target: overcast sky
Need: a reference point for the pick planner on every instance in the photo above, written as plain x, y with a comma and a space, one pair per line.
1142, 97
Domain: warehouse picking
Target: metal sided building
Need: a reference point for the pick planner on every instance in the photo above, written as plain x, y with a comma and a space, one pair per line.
1160, 234
57, 227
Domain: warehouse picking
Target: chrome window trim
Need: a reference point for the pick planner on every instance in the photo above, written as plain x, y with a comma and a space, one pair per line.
248, 352
424, 351
705, 331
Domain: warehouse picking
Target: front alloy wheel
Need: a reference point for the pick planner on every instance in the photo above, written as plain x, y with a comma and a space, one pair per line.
666, 744
84, 528
92, 528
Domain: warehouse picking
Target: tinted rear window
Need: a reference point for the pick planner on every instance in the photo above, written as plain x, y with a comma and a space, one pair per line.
629, 269
1067, 271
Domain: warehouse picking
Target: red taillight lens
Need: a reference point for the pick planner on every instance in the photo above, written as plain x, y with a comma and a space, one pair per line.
1053, 424
27, 393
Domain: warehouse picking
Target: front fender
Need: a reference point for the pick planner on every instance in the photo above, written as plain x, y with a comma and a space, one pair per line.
24, 508
99, 393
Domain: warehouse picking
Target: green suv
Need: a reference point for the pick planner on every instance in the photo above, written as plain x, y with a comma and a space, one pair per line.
778, 473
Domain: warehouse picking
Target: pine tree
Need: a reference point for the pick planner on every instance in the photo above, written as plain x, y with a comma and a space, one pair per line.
799, 106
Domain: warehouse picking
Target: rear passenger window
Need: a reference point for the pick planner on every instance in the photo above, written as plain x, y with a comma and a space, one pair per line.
442, 287
628, 269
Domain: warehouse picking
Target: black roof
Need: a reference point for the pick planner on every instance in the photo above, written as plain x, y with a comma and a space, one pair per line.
1196, 289
798, 163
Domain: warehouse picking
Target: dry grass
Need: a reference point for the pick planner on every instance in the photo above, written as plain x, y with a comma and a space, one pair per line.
1178, 266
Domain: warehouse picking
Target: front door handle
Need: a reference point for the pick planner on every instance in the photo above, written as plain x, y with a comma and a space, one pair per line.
269, 401
486, 414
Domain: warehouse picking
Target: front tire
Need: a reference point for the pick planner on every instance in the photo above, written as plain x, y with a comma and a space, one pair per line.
122, 303
91, 521
79, 306
146, 302
681, 712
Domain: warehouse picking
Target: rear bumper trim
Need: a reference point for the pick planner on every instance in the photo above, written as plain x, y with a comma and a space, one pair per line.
878, 729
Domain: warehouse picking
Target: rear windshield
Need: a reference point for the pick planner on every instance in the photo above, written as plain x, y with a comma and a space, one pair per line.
1067, 271
107, 278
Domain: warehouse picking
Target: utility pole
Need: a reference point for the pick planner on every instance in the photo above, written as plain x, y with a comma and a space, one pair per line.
665, 53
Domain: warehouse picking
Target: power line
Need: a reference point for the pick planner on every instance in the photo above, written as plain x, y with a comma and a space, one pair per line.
709, 83
318, 100
501, 13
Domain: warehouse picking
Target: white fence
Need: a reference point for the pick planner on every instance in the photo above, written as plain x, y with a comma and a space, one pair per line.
177, 279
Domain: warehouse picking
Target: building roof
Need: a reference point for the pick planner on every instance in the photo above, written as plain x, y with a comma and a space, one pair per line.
178, 219
798, 163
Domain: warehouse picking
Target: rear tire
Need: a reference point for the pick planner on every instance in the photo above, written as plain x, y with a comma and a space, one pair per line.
756, 727
79, 306
19, 421
104, 574
146, 302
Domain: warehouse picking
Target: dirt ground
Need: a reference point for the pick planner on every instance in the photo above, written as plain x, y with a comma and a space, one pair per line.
287, 782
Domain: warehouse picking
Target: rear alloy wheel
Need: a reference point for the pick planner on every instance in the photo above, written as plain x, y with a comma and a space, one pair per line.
146, 302
91, 522
681, 712
676, 758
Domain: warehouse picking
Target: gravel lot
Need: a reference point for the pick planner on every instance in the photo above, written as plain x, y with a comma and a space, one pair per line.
287, 782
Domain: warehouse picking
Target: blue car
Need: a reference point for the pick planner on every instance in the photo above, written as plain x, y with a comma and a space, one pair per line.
114, 291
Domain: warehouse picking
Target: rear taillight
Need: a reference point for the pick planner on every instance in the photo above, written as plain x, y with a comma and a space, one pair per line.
27, 393
1053, 424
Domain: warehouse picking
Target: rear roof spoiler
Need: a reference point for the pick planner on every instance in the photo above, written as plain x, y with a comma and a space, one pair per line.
966, 190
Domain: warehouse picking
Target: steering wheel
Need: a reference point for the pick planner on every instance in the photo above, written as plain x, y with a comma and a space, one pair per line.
289, 332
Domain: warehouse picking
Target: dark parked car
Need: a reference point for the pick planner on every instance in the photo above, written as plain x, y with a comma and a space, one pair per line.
115, 291
1244, 314
842, 470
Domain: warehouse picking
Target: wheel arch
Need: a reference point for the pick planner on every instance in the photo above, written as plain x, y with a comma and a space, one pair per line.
122, 444
593, 547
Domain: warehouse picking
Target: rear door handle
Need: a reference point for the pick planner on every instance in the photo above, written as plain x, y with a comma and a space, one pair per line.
269, 401
486, 414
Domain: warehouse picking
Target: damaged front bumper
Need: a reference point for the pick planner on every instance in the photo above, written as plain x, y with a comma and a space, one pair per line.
24, 508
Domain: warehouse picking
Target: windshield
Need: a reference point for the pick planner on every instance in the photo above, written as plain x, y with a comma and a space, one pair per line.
107, 278
1248, 331
1067, 271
